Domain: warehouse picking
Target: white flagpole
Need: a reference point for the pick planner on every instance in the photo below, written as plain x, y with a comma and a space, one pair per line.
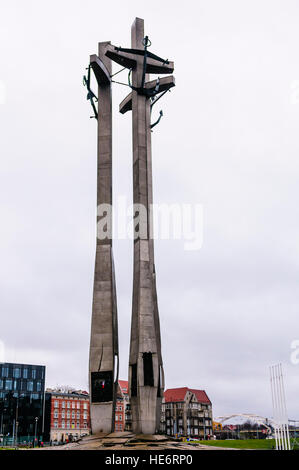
281, 409
285, 411
277, 414
273, 406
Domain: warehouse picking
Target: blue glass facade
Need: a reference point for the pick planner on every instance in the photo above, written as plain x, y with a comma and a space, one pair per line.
22, 395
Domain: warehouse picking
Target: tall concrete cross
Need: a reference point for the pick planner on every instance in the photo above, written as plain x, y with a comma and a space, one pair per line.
146, 375
103, 358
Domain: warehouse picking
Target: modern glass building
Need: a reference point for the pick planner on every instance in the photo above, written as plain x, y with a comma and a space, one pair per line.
22, 399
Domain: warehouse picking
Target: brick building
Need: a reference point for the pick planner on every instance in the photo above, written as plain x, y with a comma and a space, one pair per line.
66, 415
122, 401
186, 412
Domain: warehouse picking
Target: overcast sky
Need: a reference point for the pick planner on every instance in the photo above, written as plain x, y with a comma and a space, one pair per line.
229, 140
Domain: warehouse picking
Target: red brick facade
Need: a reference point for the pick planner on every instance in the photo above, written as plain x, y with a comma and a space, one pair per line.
69, 415
120, 408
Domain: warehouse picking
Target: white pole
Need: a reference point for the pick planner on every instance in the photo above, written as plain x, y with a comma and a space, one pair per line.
281, 446
283, 417
273, 406
280, 410
276, 417
285, 411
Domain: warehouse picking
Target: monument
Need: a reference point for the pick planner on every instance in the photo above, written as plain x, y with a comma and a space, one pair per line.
103, 357
146, 375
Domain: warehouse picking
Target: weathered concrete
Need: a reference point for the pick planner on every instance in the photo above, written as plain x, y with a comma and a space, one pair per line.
146, 375
103, 359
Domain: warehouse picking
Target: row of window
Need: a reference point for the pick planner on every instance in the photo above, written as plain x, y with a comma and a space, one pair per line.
118, 418
70, 404
190, 431
179, 405
118, 427
196, 422
27, 373
32, 396
118, 408
68, 414
23, 385
67, 425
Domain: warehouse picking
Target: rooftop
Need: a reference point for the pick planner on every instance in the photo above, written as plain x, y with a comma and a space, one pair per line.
178, 395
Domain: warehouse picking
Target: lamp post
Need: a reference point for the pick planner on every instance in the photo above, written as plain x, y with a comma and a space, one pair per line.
17, 422
36, 420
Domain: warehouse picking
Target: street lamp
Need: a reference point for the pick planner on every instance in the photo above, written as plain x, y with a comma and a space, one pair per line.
17, 422
36, 420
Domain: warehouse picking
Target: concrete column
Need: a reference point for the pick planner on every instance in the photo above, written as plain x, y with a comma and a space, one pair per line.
145, 363
103, 360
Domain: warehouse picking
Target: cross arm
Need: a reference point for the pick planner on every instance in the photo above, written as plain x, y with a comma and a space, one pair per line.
165, 83
100, 70
129, 60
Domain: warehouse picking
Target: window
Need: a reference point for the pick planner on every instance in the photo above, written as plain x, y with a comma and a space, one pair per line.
8, 384
78, 405
63, 424
4, 371
30, 386
25, 373
73, 414
85, 406
1, 383
17, 373
38, 386
73, 404
55, 424
68, 404
55, 414
63, 414
84, 415
63, 404
15, 385
120, 417
55, 404
148, 371
85, 425
33, 374
68, 414
78, 414
68, 425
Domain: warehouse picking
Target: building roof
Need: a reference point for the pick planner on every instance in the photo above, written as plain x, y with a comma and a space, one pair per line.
175, 394
124, 386
71, 394
201, 395
178, 394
